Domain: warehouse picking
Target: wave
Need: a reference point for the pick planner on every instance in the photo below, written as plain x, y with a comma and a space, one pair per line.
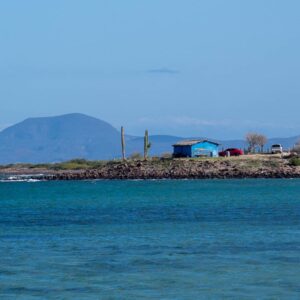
22, 178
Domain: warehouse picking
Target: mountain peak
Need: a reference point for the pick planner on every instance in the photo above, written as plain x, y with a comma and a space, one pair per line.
57, 138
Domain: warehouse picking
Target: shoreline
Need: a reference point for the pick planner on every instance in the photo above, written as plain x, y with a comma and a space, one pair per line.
243, 167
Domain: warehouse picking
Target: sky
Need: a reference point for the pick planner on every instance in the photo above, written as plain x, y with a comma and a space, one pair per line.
217, 68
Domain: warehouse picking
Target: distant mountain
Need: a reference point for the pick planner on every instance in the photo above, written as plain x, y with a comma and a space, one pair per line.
59, 138
54, 139
159, 144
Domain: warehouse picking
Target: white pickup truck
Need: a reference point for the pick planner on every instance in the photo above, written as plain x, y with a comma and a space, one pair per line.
276, 148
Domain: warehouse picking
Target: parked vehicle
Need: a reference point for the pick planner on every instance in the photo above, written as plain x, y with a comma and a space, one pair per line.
232, 152
276, 148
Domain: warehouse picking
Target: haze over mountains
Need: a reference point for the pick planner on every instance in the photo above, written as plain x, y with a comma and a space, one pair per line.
54, 139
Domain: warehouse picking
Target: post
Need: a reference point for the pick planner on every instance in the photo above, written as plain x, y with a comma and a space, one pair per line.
123, 143
146, 145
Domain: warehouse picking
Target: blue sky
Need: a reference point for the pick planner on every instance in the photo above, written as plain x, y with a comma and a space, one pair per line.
191, 68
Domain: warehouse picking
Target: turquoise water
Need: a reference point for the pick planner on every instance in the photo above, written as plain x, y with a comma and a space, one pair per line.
235, 239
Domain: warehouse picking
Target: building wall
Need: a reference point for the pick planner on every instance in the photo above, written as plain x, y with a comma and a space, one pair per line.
205, 148
184, 151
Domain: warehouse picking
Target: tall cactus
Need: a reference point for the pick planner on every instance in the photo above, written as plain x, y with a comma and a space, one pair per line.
147, 145
123, 143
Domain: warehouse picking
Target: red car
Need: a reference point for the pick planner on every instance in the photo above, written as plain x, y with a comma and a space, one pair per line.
232, 152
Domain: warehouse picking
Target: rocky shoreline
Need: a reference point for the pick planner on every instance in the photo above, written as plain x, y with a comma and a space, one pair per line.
229, 168
126, 171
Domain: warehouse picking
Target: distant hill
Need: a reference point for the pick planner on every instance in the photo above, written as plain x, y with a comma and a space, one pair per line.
55, 139
159, 144
59, 138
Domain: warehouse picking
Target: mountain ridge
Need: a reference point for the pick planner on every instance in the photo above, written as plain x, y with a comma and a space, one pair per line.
76, 135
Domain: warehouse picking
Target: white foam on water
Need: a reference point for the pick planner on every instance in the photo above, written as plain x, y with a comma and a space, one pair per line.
22, 178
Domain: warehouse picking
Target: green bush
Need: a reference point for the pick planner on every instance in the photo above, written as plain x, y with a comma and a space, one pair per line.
295, 161
77, 164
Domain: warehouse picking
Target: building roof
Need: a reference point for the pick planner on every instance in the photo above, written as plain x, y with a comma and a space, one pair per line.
194, 142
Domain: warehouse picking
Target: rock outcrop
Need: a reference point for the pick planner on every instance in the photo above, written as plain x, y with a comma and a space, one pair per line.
183, 169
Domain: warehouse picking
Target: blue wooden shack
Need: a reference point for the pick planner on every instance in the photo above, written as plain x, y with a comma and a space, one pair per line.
196, 148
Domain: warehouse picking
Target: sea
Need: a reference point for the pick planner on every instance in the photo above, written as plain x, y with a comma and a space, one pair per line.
155, 239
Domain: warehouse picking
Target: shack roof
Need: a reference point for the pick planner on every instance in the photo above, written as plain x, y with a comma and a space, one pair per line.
194, 142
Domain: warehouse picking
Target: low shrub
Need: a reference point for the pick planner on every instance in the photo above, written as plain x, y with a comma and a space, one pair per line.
77, 164
295, 161
40, 166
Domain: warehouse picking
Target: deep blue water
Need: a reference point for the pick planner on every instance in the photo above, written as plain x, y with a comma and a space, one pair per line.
211, 239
